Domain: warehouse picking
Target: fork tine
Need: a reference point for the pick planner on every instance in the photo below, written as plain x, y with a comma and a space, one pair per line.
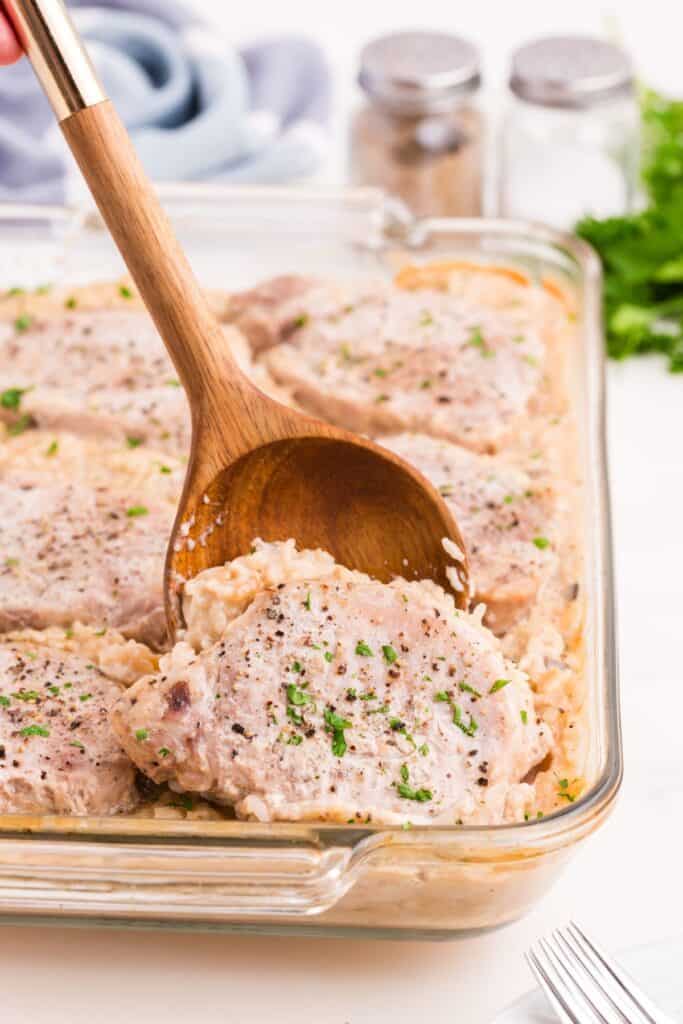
595, 977
555, 998
585, 993
622, 982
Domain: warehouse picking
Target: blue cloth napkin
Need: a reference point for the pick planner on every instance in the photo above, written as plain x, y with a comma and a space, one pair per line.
196, 107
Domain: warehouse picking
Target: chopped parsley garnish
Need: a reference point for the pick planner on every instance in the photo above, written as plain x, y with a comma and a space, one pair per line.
296, 667
22, 424
133, 442
466, 688
141, 734
328, 655
4, 701
11, 398
294, 716
125, 292
68, 632
405, 790
71, 302
136, 510
77, 744
84, 697
380, 372
508, 499
165, 469
477, 340
335, 726
301, 321
15, 291
52, 448
297, 696
295, 740
425, 384
498, 685
54, 690
11, 563
173, 382
423, 750
307, 602
35, 730
22, 323
163, 751
541, 543
524, 716
27, 696
390, 655
469, 728
363, 649
382, 398
563, 791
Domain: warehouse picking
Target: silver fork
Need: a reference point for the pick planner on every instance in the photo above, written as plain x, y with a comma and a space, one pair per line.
585, 986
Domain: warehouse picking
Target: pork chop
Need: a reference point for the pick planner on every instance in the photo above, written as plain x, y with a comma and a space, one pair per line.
343, 699
387, 360
58, 754
506, 520
102, 374
85, 528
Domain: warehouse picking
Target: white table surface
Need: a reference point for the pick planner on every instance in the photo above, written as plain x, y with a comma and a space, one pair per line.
625, 883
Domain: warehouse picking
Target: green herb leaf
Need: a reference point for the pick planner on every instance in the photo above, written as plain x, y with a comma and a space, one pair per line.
125, 292
524, 716
22, 323
11, 398
22, 424
141, 735
328, 655
295, 740
163, 751
498, 685
335, 725
390, 655
133, 442
363, 649
541, 543
136, 510
35, 730
52, 448
298, 697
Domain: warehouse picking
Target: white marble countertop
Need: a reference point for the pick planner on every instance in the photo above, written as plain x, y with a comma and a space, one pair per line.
624, 884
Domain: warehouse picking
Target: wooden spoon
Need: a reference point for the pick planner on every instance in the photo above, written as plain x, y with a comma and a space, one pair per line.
256, 468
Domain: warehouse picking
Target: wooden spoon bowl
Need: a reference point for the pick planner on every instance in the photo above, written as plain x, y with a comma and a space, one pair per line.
326, 490
257, 468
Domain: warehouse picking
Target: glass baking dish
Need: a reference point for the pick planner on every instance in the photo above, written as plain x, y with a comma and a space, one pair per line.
430, 882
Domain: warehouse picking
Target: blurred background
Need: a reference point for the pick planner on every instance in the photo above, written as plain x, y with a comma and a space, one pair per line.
265, 92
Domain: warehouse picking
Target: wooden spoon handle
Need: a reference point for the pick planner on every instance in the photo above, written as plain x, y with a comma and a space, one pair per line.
127, 201
158, 265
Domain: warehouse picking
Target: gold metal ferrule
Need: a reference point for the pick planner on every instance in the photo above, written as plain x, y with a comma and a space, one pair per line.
59, 59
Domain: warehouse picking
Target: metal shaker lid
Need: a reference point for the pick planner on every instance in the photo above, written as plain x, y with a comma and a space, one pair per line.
570, 71
419, 72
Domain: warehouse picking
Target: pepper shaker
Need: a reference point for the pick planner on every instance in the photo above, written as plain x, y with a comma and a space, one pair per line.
419, 132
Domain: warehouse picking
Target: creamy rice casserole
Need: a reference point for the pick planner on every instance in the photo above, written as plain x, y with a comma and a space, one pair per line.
300, 690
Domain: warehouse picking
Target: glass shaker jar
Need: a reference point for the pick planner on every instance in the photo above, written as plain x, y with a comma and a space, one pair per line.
570, 138
419, 133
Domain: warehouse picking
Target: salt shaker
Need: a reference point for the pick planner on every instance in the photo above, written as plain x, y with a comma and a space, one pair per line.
569, 144
418, 134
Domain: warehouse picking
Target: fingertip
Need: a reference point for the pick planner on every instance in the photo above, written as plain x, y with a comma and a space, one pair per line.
10, 51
